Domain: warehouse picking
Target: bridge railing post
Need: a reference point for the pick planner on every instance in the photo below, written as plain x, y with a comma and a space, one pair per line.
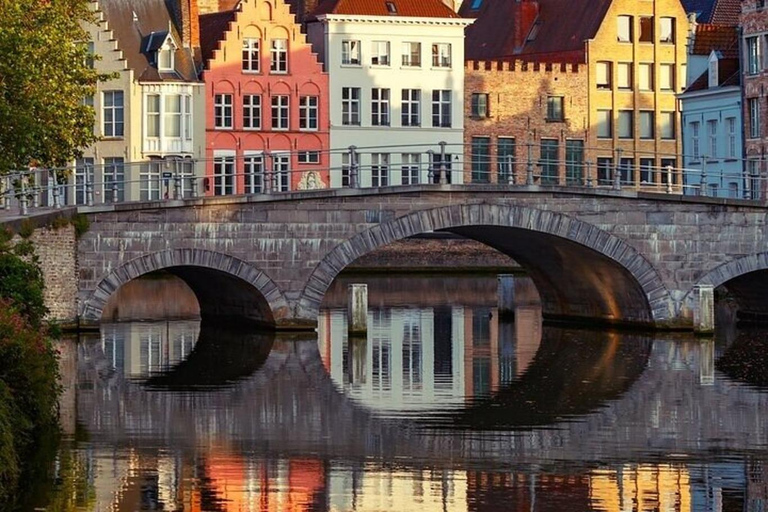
6, 191
176, 178
35, 188
703, 180
354, 168
88, 185
441, 167
23, 199
529, 178
55, 188
430, 166
511, 173
588, 177
670, 175
617, 171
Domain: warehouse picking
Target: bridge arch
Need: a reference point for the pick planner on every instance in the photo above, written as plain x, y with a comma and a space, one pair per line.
224, 286
581, 271
745, 280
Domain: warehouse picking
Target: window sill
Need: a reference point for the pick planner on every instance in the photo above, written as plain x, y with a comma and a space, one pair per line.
121, 137
280, 129
411, 67
381, 66
555, 120
223, 128
252, 129
251, 72
308, 129
350, 65
480, 118
440, 68
278, 72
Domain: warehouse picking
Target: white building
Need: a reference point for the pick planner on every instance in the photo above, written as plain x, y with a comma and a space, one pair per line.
396, 87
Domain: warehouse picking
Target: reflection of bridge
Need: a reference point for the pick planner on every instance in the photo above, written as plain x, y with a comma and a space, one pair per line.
609, 255
623, 399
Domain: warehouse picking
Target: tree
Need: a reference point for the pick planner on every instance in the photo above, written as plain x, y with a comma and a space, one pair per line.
45, 75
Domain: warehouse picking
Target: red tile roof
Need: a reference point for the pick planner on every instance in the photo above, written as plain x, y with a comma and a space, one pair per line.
726, 12
411, 8
716, 37
212, 29
562, 28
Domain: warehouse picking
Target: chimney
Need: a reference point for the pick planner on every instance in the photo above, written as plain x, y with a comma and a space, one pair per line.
190, 24
524, 15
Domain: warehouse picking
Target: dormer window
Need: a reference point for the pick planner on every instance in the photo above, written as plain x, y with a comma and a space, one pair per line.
165, 58
391, 8
713, 75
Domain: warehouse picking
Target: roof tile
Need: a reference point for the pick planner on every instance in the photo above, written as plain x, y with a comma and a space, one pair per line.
411, 8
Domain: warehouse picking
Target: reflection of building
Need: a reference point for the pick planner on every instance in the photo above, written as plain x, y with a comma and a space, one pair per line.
643, 487
420, 358
138, 349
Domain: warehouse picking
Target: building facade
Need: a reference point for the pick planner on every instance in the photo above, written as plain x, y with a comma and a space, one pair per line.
267, 102
633, 54
754, 34
396, 89
149, 118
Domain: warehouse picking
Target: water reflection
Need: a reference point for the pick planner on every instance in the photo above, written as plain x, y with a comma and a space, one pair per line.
441, 407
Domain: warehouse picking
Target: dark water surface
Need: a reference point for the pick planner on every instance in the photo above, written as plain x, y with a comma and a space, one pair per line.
441, 407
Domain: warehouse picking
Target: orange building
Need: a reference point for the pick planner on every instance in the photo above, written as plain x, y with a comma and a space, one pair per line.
267, 101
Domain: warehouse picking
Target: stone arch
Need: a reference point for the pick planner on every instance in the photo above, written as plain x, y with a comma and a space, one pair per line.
745, 280
238, 288
568, 236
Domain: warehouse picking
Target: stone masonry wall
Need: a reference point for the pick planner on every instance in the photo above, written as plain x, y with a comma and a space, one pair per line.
57, 250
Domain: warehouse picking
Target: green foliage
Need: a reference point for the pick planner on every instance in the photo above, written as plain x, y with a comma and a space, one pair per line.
44, 77
21, 283
27, 228
81, 224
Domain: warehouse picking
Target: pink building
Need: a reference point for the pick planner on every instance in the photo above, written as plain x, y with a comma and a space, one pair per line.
267, 117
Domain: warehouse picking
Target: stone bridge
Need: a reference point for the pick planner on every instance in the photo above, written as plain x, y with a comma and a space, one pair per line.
598, 255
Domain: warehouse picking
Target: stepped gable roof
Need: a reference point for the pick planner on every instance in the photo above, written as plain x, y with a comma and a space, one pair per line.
140, 26
721, 12
724, 39
410, 8
562, 28
728, 74
212, 29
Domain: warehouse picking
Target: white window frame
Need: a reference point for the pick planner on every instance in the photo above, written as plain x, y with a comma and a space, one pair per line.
113, 170
223, 108
730, 123
252, 110
309, 113
152, 114
624, 28
281, 116
695, 146
251, 61
278, 54
113, 114
253, 172
172, 118
380, 112
380, 54
410, 168
350, 52
380, 169
754, 117
150, 183
442, 100
667, 29
441, 55
408, 54
712, 138
410, 106
281, 170
308, 157
224, 173
350, 106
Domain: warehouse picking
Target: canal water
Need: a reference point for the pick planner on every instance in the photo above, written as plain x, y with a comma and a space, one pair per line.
443, 406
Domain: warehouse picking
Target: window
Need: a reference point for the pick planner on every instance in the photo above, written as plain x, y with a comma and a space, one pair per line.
476, 4
712, 137
251, 111
350, 53
308, 112
574, 162
350, 105
222, 111
411, 99
667, 30
442, 167
153, 115
112, 111
253, 172
647, 124
280, 112
251, 55
667, 77
555, 110
549, 161
624, 29
604, 170
114, 179
379, 169
380, 107
646, 29
754, 117
666, 164
604, 121
309, 157
603, 75
753, 55
149, 181
90, 51
479, 104
505, 158
279, 56
481, 159
223, 173
172, 116
165, 58
187, 117
647, 171
645, 77
410, 168
391, 8
667, 124
441, 108
281, 171
83, 175
626, 169
441, 55
730, 123
380, 53
625, 125
346, 170
624, 75
695, 150
412, 55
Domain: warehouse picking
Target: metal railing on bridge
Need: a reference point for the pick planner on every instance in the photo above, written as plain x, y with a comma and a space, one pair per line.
271, 172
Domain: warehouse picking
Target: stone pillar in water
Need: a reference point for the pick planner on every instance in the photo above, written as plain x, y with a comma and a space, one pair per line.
506, 294
704, 309
357, 311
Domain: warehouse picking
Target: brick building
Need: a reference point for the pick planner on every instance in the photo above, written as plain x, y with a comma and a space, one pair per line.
754, 26
631, 56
